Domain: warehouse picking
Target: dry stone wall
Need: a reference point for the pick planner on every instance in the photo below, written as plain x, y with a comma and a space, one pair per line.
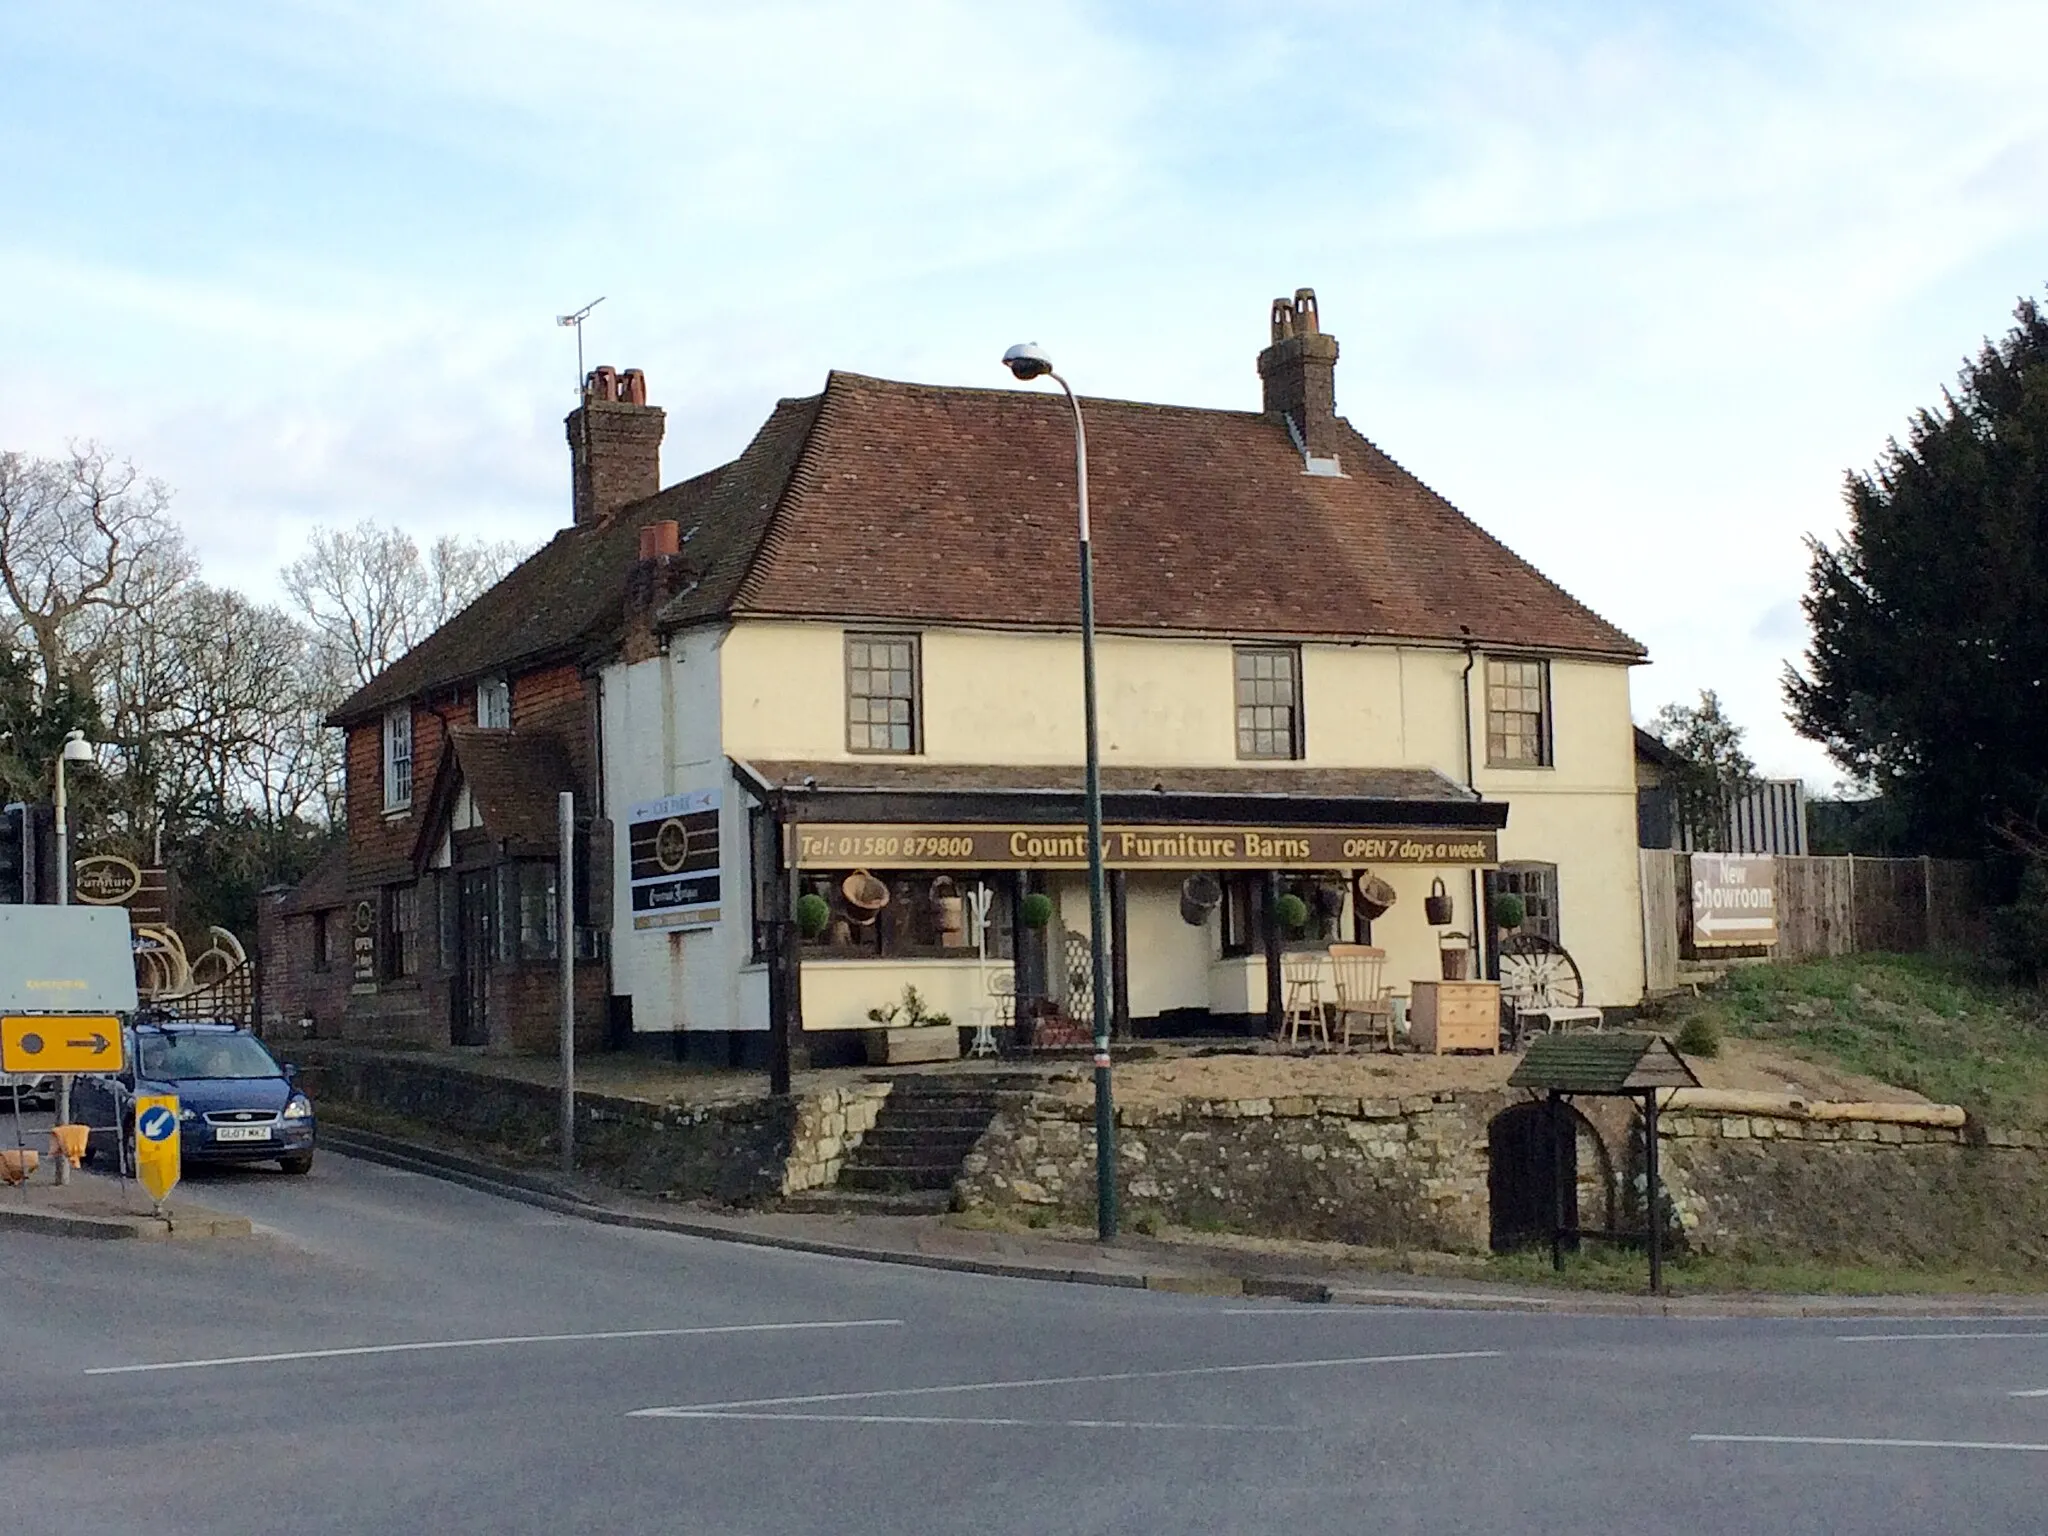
1857, 1191
1403, 1173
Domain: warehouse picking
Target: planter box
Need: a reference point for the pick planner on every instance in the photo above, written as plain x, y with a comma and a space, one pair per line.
895, 1047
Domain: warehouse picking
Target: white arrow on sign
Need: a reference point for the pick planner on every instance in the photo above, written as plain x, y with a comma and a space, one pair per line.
1711, 923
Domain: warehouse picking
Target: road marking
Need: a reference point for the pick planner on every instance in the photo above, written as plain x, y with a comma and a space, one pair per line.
531, 1338
1899, 1338
906, 1418
687, 1410
2036, 1392
1909, 1445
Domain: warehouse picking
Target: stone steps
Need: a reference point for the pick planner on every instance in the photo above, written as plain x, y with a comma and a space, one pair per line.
855, 1202
924, 1131
896, 1179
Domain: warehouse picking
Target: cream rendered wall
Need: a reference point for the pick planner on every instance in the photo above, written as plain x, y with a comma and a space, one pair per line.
997, 697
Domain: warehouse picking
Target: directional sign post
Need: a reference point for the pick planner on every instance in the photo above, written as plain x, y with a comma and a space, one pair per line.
156, 1144
1734, 900
60, 1043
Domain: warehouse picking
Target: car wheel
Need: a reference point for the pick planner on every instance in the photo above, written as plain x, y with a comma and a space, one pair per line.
300, 1163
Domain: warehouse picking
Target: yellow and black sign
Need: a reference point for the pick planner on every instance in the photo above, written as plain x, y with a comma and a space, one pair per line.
58, 1042
158, 1155
838, 845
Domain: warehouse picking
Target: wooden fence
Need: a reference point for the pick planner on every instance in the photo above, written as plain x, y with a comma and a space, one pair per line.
1832, 906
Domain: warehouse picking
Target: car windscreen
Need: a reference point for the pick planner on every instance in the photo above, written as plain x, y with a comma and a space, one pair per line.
174, 1056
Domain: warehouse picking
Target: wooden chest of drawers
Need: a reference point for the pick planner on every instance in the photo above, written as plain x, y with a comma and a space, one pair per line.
1455, 1016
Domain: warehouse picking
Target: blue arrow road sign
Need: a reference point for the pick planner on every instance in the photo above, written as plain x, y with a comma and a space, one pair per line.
157, 1124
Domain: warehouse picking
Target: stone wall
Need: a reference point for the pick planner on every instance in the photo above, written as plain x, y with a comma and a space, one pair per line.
1399, 1173
738, 1151
1857, 1191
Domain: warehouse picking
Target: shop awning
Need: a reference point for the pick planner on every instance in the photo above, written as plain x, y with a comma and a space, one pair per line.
973, 816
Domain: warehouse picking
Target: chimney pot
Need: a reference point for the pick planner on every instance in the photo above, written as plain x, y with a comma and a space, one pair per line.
633, 387
665, 538
647, 542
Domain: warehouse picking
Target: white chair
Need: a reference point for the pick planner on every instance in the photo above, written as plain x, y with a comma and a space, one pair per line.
1301, 973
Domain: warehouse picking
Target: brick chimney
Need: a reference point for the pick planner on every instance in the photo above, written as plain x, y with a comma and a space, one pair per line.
614, 444
1299, 371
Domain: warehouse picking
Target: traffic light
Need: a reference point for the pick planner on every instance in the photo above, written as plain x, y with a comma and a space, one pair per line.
17, 855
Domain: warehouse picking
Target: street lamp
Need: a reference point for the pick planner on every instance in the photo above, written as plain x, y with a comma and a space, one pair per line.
76, 750
1028, 361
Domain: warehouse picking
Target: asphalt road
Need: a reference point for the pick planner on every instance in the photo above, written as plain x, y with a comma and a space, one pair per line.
397, 1354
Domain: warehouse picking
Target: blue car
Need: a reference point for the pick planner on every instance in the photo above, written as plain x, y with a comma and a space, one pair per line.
236, 1103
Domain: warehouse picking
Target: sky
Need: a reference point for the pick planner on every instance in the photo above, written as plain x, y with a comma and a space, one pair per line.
1634, 286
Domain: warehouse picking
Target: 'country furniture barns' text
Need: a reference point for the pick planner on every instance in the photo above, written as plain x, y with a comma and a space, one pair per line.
839, 679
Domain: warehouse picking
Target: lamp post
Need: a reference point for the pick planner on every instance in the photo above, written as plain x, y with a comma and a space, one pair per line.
76, 750
1028, 361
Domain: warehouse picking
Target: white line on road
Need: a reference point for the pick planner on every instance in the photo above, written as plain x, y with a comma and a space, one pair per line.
2036, 1392
1909, 1445
1900, 1338
685, 1410
892, 1418
531, 1338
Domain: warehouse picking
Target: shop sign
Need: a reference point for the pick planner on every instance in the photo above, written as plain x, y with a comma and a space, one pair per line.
672, 859
105, 880
831, 845
1734, 900
363, 937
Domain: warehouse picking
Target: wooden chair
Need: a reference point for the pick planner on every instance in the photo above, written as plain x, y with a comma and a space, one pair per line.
1362, 991
1302, 974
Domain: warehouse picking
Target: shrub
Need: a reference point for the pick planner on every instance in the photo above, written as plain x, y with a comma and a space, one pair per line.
813, 912
1036, 910
1699, 1036
1292, 912
1508, 910
2020, 932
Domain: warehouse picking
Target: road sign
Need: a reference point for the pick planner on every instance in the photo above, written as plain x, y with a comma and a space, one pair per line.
1734, 900
156, 1143
58, 1042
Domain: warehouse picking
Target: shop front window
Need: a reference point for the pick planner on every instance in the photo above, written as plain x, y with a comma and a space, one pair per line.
907, 914
1244, 910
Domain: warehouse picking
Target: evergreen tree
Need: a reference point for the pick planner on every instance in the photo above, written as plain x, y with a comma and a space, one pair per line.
1927, 676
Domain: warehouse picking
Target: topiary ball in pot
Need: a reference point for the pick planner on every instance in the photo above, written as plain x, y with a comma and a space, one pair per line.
813, 912
1035, 910
1292, 912
1509, 912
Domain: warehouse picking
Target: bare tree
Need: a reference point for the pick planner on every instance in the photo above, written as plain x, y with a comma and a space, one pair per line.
371, 597
84, 541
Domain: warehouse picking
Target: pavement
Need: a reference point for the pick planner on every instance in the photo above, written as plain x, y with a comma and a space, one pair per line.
392, 1351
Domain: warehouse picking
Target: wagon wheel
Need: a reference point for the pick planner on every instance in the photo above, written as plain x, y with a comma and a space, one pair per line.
1536, 972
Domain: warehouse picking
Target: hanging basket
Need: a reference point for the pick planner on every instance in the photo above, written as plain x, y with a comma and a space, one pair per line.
1199, 896
1375, 896
865, 897
1436, 906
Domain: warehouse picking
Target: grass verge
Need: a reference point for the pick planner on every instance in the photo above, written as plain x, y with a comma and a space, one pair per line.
1939, 1025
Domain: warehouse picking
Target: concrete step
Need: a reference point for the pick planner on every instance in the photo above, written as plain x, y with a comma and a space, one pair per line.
938, 1116
897, 1180
910, 1155
851, 1202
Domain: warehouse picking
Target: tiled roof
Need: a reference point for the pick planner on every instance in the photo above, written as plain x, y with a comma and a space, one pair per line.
916, 503
569, 594
514, 777
325, 885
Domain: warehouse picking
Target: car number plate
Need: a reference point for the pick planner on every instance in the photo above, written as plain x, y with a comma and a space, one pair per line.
241, 1133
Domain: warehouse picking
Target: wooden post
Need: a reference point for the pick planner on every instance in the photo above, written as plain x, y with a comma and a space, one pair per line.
1656, 1213
785, 1002
1275, 1000
1927, 899
1553, 1123
1119, 957
1852, 906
